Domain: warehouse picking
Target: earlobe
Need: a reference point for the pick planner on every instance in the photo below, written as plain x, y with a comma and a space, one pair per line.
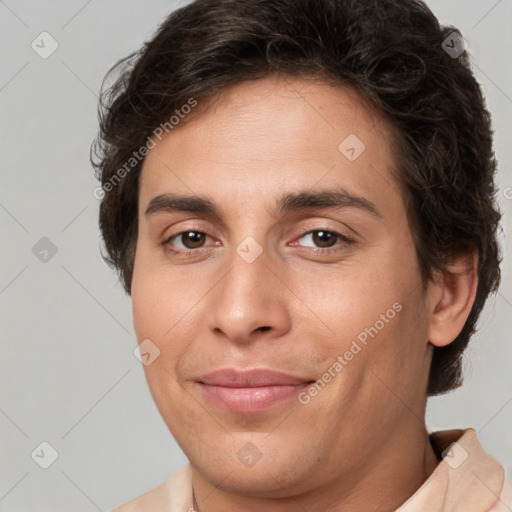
451, 299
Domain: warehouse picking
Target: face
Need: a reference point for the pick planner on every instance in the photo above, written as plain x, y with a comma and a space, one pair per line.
295, 256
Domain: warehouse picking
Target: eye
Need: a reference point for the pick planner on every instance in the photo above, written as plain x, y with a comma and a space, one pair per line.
193, 242
186, 241
324, 239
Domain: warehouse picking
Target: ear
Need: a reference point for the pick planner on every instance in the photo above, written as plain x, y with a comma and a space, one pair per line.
451, 297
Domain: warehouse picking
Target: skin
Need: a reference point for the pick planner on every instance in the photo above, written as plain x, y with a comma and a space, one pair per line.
361, 442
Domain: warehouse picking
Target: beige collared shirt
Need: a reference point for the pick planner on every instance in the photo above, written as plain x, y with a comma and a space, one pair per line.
466, 480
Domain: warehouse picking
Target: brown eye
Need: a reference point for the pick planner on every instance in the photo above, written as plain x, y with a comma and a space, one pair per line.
324, 238
321, 238
192, 239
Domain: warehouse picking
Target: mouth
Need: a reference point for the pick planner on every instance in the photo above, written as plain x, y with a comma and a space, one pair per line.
250, 391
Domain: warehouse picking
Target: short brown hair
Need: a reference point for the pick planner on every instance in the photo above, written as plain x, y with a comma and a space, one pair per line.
392, 51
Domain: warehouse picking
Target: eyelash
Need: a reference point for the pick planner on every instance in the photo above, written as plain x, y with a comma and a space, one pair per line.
345, 240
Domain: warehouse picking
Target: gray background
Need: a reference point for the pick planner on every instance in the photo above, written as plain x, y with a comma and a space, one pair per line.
68, 374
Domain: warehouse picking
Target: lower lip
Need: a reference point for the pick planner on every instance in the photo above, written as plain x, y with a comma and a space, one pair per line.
247, 400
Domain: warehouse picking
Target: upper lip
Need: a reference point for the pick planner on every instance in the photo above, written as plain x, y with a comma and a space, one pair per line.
233, 378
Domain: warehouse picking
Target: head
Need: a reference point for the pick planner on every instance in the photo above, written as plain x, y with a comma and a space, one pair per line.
342, 170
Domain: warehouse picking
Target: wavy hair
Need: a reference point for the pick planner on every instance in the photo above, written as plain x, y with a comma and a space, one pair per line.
391, 51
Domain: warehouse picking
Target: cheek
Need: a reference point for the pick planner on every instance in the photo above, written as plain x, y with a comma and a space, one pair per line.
397, 354
146, 318
375, 316
156, 316
165, 308
350, 305
154, 305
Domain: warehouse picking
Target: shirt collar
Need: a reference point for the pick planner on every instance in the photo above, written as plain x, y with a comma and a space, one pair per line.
466, 479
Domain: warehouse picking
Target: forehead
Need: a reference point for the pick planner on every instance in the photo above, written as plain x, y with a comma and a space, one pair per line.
271, 135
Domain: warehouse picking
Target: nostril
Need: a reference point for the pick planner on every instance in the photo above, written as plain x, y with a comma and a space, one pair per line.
264, 328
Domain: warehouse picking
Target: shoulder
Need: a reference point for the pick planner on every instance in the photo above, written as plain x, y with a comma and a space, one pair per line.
150, 500
504, 503
174, 494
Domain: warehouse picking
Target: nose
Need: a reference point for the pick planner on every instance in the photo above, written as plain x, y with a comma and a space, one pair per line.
249, 302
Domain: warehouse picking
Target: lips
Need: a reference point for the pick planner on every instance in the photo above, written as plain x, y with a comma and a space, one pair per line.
233, 378
250, 390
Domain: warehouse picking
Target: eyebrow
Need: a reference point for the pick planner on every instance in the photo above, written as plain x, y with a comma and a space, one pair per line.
289, 202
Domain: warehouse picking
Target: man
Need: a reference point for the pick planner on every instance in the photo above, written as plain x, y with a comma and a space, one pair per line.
299, 197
